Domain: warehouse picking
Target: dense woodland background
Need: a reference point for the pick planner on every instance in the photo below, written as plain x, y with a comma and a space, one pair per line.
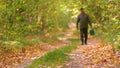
45, 19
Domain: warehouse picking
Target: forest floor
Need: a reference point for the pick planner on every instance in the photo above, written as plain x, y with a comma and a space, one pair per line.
94, 55
47, 48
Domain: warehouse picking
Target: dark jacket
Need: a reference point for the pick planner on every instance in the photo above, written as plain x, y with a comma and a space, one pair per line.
84, 20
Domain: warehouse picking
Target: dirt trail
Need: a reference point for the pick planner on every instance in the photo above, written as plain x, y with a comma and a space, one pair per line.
94, 55
64, 42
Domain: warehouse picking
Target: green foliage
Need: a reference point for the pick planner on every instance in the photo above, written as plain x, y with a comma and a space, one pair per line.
20, 18
107, 20
6, 50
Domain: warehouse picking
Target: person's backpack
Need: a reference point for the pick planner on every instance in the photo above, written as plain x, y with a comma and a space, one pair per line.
92, 32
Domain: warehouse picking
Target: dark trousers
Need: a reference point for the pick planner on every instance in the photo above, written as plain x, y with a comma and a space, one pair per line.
84, 35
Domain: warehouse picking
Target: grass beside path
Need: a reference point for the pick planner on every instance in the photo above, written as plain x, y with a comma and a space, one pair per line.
55, 57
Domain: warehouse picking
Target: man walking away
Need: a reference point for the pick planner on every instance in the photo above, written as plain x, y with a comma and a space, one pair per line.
84, 20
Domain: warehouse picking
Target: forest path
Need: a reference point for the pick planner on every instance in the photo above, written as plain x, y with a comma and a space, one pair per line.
64, 41
94, 55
